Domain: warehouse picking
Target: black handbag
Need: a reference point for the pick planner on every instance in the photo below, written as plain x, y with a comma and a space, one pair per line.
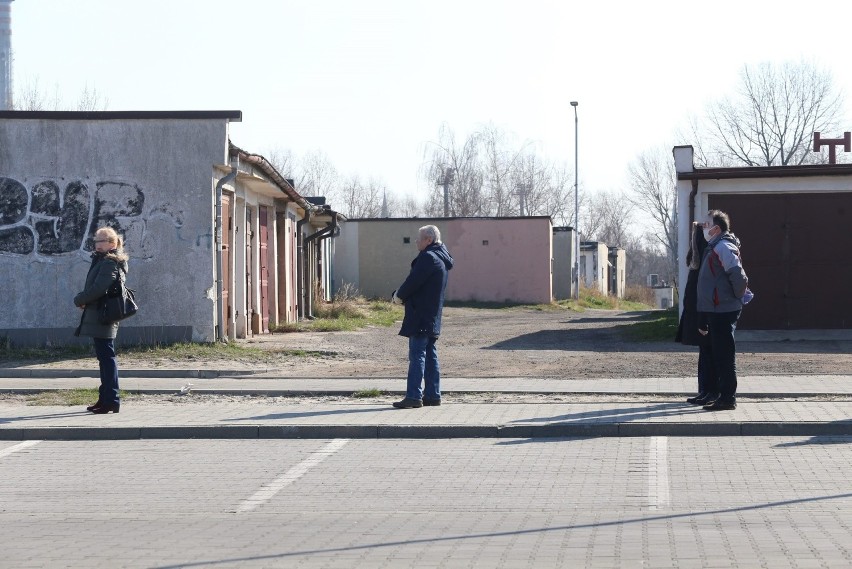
119, 302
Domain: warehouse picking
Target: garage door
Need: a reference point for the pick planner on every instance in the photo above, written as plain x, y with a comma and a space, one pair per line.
797, 252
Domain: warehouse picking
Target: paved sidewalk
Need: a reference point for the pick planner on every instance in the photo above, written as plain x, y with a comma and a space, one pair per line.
171, 381
767, 407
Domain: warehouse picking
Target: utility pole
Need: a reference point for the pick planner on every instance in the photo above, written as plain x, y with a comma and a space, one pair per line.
5, 55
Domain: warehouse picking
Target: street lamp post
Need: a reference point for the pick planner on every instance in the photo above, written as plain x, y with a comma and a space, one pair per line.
576, 213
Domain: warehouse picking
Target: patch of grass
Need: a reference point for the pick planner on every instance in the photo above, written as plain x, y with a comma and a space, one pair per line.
660, 326
11, 353
367, 393
190, 351
345, 314
68, 397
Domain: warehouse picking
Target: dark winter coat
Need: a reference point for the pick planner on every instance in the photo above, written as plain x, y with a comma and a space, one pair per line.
102, 273
423, 291
722, 281
687, 330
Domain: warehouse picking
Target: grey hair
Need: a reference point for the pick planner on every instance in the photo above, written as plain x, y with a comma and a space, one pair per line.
432, 232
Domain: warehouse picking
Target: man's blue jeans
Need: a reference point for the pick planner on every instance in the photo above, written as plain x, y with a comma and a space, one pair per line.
423, 365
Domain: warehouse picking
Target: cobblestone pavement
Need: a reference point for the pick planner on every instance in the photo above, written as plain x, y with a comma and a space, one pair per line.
603, 502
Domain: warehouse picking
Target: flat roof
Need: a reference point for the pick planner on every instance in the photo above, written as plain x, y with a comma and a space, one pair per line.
767, 172
235, 116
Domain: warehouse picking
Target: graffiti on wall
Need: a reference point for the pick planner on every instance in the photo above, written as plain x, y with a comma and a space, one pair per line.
49, 219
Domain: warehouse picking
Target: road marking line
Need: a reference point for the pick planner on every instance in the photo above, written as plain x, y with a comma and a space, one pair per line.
268, 491
17, 447
659, 495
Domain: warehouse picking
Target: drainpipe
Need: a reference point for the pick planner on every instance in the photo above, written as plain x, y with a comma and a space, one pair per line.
220, 285
300, 265
332, 230
692, 195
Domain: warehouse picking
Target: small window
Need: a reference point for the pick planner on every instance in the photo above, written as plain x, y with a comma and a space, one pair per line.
406, 239
485, 242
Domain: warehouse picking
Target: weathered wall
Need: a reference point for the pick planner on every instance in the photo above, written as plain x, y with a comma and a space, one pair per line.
151, 179
496, 259
563, 263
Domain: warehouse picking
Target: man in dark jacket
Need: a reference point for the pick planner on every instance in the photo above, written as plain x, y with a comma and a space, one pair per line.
722, 283
423, 296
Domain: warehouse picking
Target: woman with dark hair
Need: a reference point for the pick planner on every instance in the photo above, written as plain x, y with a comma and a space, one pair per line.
687, 331
108, 262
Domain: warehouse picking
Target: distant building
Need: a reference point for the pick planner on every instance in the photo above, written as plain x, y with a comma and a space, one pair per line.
497, 259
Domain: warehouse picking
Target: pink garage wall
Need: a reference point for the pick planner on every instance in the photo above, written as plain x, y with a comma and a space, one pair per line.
499, 259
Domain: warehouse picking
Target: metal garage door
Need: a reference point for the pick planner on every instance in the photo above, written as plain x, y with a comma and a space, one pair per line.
797, 252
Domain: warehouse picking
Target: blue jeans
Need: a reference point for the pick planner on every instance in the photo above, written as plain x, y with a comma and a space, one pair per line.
423, 365
105, 350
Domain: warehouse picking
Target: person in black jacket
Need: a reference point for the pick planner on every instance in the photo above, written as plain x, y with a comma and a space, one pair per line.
687, 331
108, 260
423, 296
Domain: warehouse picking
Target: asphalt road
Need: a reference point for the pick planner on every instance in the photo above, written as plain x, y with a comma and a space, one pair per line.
607, 502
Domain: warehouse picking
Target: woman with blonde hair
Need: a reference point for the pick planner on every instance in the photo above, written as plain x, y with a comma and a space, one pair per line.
109, 261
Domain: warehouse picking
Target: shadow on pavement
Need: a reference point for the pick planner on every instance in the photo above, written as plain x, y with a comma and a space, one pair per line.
312, 414
49, 416
623, 414
563, 528
820, 440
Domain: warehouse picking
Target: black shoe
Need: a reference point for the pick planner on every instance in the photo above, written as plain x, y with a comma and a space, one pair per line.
95, 406
696, 400
106, 408
721, 405
707, 399
408, 404
431, 402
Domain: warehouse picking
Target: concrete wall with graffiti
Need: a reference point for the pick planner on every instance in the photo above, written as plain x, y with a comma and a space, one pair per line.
152, 180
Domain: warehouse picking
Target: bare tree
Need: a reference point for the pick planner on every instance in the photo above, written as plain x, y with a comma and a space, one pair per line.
771, 119
361, 199
654, 193
609, 216
466, 193
32, 97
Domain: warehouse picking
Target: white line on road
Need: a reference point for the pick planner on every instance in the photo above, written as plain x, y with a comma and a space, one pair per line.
17, 447
658, 474
270, 490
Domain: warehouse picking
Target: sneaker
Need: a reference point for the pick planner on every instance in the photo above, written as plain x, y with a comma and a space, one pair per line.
431, 402
721, 405
408, 404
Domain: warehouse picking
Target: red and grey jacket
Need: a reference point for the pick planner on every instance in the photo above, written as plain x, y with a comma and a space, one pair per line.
722, 281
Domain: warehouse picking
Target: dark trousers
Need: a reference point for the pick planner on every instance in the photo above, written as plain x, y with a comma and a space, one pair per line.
722, 327
105, 350
706, 368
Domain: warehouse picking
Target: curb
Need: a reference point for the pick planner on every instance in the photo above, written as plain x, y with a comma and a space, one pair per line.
248, 392
573, 430
39, 373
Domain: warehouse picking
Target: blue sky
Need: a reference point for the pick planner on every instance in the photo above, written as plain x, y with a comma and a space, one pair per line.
370, 82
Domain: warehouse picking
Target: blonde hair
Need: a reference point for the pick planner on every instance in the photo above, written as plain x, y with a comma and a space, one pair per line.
115, 239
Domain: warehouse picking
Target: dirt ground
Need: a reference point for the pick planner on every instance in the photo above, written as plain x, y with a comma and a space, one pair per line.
519, 342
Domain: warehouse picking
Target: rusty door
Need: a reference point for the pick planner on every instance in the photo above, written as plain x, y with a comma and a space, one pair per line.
226, 262
793, 252
263, 257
